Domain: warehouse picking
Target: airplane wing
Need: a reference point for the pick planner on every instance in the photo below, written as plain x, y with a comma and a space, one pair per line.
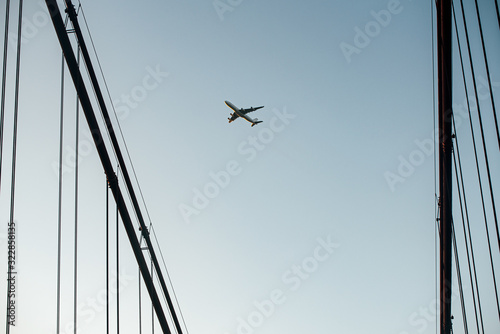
233, 117
246, 111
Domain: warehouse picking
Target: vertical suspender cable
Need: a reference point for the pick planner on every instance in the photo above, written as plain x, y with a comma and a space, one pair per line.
140, 302
75, 277
59, 213
118, 270
14, 136
2, 113
152, 231
152, 310
107, 256
59, 210
4, 79
140, 294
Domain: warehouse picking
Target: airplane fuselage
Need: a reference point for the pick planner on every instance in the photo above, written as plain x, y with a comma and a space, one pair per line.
232, 106
238, 111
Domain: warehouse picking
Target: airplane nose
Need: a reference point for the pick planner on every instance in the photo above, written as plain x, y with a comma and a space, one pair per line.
230, 105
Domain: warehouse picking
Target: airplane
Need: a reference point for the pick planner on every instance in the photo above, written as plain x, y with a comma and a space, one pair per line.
242, 113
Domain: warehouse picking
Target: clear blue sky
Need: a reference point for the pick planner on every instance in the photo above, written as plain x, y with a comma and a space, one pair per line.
319, 219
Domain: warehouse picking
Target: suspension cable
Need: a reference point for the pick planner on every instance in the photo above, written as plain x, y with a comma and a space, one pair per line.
140, 301
107, 256
482, 133
117, 264
103, 153
169, 279
496, 126
116, 116
488, 76
59, 213
4, 80
127, 180
152, 309
465, 216
436, 201
166, 297
77, 143
459, 277
60, 190
474, 145
2, 113
14, 136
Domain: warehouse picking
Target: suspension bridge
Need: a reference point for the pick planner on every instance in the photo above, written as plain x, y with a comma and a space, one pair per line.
467, 161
